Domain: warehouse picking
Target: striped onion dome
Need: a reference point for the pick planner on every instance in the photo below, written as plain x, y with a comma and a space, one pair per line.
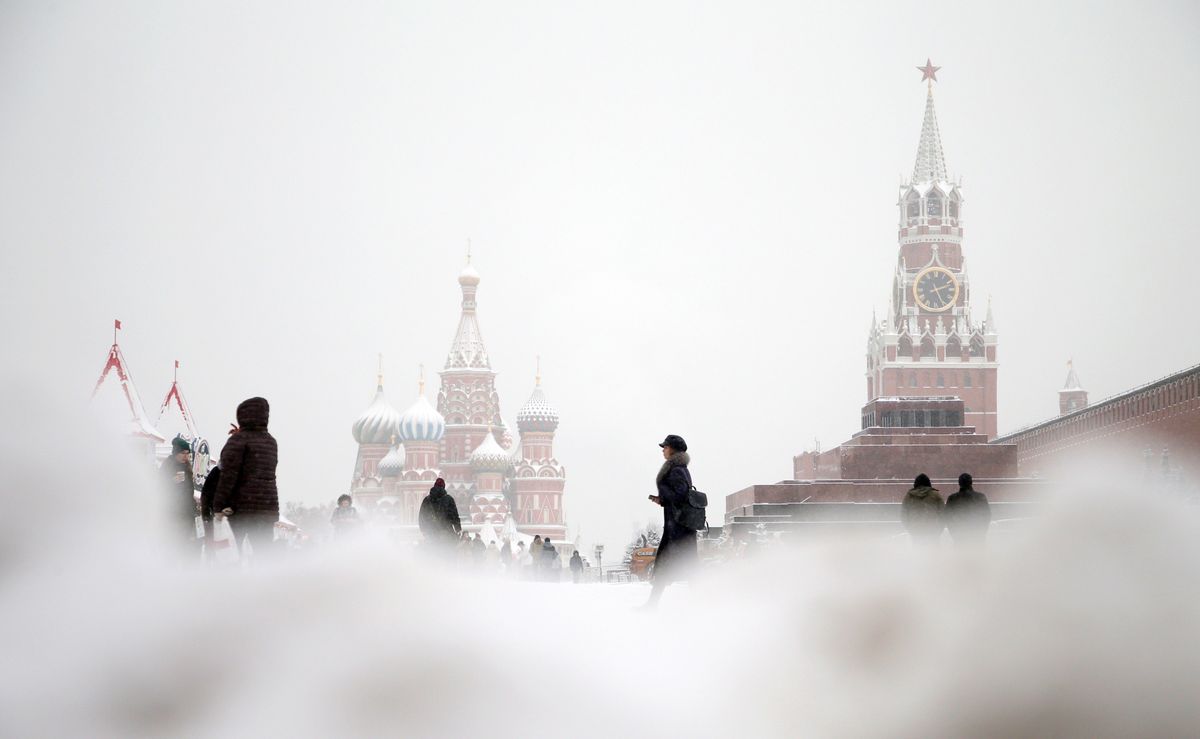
422, 422
378, 423
392, 463
489, 456
537, 414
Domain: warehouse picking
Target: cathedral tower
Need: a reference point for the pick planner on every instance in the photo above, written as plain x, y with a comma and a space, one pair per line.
539, 479
467, 400
375, 432
929, 344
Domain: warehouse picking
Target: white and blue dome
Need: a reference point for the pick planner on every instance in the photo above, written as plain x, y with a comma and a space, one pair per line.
422, 422
378, 423
392, 463
489, 456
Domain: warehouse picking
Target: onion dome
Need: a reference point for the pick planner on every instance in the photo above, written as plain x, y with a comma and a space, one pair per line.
422, 422
392, 463
468, 276
537, 414
490, 456
378, 423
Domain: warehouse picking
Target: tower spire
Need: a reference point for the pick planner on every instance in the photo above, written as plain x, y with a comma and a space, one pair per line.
537, 380
468, 350
380, 375
421, 379
931, 164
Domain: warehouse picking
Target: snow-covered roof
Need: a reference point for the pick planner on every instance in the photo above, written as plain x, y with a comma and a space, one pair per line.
489, 456
537, 414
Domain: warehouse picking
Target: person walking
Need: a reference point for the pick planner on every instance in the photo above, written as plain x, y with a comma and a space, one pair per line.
576, 566
247, 492
524, 561
550, 566
535, 554
176, 473
438, 518
968, 514
676, 552
478, 551
345, 518
921, 512
491, 558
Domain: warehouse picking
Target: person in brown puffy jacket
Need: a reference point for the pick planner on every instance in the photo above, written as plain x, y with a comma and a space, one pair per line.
247, 492
921, 512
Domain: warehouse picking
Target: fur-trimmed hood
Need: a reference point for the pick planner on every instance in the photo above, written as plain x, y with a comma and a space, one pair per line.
677, 459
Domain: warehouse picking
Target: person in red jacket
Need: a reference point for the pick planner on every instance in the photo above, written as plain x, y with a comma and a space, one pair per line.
247, 491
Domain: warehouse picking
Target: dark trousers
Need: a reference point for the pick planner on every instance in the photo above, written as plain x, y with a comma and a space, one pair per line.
259, 528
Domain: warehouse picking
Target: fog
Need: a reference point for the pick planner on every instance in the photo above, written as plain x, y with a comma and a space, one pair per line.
1083, 622
685, 208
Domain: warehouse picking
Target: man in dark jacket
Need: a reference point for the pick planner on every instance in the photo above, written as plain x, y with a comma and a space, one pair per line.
968, 514
921, 512
677, 548
438, 518
176, 472
247, 491
576, 566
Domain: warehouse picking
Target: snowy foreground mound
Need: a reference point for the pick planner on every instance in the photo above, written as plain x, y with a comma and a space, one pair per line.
1087, 624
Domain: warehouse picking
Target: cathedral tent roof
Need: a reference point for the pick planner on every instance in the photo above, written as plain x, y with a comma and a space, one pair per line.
467, 351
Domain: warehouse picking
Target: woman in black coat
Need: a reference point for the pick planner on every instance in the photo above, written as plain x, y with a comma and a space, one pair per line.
677, 548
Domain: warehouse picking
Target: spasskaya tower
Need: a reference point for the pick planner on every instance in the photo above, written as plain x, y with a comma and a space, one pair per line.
928, 345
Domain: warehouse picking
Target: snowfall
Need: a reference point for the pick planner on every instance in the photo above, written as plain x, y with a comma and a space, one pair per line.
1085, 623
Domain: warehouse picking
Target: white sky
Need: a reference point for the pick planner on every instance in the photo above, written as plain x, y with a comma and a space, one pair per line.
685, 208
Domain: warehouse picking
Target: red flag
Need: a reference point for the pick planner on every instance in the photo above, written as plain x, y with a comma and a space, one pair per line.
117, 324
176, 364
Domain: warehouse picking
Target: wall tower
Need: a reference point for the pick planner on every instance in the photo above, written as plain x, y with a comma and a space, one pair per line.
929, 344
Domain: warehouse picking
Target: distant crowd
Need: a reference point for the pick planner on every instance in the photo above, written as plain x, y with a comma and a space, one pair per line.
238, 510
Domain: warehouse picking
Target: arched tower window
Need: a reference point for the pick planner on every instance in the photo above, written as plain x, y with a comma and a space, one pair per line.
953, 348
977, 346
912, 208
906, 347
933, 204
952, 206
927, 349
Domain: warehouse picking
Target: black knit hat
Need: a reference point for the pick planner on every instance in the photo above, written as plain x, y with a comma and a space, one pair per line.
675, 442
180, 444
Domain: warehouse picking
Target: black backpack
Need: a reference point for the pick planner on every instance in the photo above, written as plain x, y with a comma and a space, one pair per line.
691, 514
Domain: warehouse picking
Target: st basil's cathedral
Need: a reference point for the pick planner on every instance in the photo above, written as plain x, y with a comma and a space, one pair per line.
498, 482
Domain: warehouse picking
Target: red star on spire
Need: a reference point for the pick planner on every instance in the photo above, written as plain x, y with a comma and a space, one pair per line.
928, 72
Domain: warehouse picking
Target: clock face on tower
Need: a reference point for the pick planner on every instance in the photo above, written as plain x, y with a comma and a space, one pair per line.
935, 289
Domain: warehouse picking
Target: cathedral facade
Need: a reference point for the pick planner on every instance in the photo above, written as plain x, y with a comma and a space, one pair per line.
496, 480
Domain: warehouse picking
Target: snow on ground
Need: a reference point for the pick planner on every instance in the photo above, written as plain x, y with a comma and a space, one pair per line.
1088, 624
